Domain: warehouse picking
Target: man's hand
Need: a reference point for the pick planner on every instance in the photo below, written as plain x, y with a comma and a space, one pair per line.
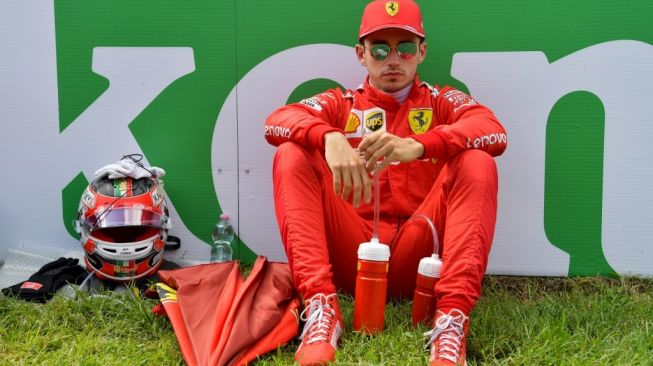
391, 148
348, 169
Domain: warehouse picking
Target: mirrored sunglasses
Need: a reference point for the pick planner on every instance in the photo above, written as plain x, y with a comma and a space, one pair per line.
405, 50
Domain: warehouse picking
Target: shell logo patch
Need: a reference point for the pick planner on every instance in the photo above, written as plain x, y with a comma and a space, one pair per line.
352, 123
420, 120
392, 8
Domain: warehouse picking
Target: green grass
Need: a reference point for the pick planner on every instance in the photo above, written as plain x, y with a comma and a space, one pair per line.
518, 321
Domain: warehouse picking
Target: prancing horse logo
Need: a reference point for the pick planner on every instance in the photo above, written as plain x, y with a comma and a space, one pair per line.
392, 8
420, 120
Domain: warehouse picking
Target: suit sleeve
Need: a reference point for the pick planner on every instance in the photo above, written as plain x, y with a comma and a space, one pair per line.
463, 123
307, 121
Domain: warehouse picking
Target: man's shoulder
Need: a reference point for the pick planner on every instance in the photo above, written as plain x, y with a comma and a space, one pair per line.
351, 93
434, 90
337, 93
329, 98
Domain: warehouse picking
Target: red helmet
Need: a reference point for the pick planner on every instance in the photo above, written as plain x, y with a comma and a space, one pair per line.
123, 225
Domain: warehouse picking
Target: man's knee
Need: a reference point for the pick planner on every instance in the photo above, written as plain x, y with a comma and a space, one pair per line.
289, 151
288, 155
476, 165
291, 157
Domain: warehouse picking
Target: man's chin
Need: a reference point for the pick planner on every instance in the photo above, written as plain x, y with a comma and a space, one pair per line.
393, 86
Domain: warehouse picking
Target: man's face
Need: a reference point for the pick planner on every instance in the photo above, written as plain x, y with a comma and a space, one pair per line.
395, 72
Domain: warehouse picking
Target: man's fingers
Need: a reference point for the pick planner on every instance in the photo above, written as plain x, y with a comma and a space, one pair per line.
337, 182
349, 169
370, 142
362, 187
381, 166
384, 152
367, 188
372, 148
346, 184
367, 141
357, 188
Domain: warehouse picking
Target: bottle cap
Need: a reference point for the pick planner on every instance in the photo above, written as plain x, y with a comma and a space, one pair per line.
430, 266
224, 217
374, 251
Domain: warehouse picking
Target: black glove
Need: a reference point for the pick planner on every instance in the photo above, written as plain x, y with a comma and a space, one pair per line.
42, 285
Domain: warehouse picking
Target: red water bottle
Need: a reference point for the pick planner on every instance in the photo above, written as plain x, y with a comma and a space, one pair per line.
424, 301
371, 287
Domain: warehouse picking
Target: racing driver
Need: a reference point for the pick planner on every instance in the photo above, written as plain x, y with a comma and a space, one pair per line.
433, 150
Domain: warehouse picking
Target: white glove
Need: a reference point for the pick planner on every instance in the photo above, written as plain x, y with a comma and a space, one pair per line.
128, 168
157, 172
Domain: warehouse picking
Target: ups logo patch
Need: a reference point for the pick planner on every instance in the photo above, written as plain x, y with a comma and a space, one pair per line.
374, 121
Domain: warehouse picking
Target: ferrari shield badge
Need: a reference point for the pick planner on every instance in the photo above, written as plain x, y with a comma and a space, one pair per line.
420, 120
392, 7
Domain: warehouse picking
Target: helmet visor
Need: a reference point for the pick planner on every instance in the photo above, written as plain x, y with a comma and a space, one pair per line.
124, 216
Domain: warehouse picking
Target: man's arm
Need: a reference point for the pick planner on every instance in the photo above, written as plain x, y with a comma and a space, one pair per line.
317, 123
467, 125
382, 144
348, 169
306, 122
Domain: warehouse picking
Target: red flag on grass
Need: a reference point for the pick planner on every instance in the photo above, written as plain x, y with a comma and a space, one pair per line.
221, 319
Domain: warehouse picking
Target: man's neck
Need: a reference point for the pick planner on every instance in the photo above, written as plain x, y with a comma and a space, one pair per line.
400, 95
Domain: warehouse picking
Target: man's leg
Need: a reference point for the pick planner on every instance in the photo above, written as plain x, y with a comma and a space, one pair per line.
470, 217
462, 205
318, 230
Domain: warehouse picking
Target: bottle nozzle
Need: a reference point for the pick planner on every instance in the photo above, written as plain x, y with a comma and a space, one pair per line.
430, 266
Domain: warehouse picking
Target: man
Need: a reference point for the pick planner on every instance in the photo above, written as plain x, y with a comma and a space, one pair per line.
432, 149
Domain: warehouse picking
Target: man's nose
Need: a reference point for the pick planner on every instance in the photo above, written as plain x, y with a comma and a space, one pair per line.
394, 58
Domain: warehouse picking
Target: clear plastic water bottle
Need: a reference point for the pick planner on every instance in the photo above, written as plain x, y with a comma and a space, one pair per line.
223, 234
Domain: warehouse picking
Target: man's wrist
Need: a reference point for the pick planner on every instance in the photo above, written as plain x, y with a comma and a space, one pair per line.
329, 136
418, 147
433, 143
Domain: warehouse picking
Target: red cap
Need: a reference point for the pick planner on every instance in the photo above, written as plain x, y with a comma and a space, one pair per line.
381, 14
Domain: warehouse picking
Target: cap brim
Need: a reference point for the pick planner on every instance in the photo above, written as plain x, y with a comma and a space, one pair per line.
386, 26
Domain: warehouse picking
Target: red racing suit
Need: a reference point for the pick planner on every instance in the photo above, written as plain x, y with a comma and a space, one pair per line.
454, 184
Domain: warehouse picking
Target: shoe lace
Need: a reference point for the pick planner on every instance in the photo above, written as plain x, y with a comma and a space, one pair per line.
449, 330
319, 317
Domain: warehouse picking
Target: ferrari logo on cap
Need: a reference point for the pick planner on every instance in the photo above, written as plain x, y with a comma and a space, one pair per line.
420, 120
392, 8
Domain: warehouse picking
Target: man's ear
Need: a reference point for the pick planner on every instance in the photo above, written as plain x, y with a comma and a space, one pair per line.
360, 53
422, 52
